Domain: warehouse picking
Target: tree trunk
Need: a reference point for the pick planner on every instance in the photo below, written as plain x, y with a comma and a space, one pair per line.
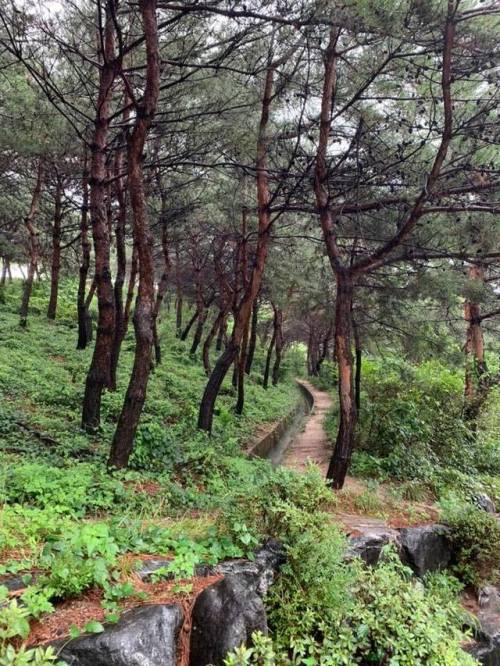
253, 338
212, 388
267, 369
209, 339
123, 440
344, 445
240, 402
4, 272
130, 290
56, 251
83, 313
189, 326
278, 345
99, 373
324, 348
162, 286
242, 316
33, 246
475, 364
121, 254
359, 356
199, 330
221, 334
178, 297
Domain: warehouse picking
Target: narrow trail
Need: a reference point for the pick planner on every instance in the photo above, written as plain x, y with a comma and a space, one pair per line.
311, 444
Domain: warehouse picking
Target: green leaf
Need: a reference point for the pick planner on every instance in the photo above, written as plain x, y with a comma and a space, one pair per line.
94, 627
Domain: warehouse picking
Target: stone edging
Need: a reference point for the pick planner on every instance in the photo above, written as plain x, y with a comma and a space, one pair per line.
264, 446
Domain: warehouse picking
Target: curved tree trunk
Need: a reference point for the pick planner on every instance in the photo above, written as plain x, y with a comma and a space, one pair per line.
205, 416
209, 339
56, 251
99, 373
33, 246
344, 445
189, 326
123, 440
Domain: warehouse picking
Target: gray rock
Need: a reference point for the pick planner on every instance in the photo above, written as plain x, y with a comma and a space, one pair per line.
145, 636
227, 613
224, 617
484, 502
264, 567
150, 567
486, 648
489, 599
15, 583
426, 548
486, 654
369, 546
262, 570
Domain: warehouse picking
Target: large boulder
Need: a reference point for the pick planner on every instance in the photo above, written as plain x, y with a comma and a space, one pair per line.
227, 613
224, 617
426, 548
368, 546
144, 636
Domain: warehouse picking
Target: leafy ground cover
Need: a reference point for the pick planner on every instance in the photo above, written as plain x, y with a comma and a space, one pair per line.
75, 534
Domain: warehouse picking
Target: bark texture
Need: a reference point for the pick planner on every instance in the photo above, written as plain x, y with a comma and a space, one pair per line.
99, 373
123, 440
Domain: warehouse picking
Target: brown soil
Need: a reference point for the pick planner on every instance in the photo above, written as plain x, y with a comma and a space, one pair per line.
87, 607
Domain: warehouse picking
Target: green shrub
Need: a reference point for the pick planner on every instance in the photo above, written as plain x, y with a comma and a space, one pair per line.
476, 535
80, 489
325, 611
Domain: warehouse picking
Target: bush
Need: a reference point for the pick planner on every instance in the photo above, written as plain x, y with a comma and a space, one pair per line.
475, 535
325, 611
80, 489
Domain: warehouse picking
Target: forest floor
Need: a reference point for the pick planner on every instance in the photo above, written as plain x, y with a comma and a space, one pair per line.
75, 536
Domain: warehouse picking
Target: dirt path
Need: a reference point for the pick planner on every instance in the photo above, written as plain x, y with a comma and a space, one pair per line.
311, 444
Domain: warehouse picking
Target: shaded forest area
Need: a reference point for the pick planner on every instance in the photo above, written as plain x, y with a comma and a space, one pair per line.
200, 204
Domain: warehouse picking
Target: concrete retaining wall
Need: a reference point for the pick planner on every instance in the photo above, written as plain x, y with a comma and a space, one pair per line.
263, 447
